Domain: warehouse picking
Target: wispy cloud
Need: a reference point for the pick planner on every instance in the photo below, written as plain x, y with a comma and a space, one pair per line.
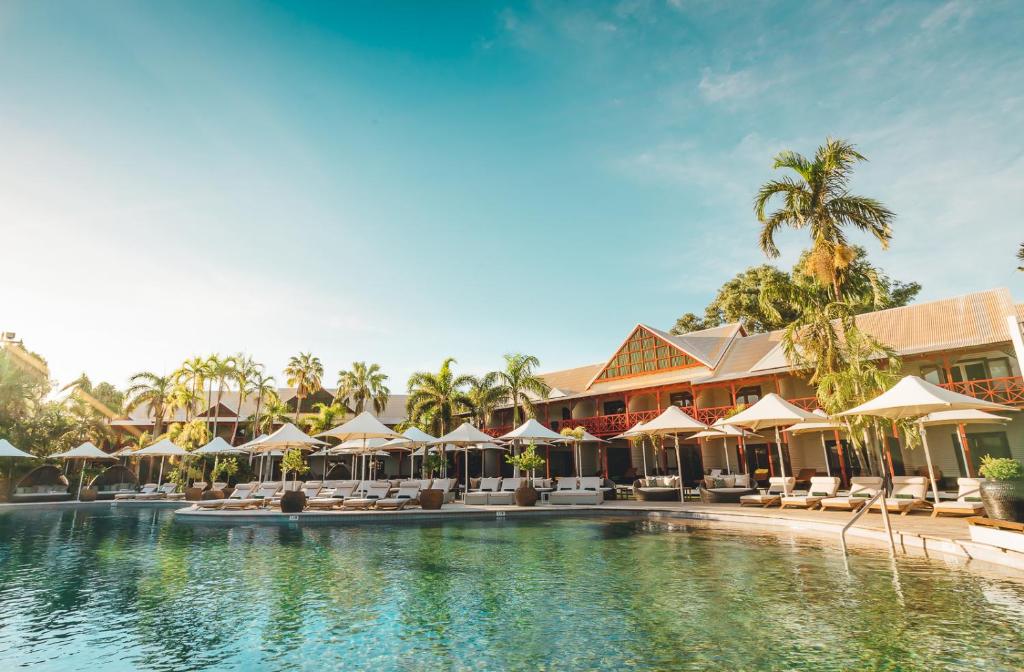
725, 86
954, 13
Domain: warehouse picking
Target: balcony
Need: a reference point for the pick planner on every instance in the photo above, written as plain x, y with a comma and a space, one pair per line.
1008, 391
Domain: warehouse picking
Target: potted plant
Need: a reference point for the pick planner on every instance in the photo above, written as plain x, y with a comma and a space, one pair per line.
526, 462
432, 498
224, 470
293, 501
1002, 491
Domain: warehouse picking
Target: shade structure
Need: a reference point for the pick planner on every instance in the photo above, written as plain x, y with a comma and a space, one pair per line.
724, 432
773, 412
465, 435
219, 447
126, 451
585, 437
7, 450
674, 421
248, 445
414, 439
85, 452
531, 430
632, 432
914, 397
162, 449
363, 427
286, 437
819, 427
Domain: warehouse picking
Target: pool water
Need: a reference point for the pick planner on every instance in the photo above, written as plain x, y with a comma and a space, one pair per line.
130, 588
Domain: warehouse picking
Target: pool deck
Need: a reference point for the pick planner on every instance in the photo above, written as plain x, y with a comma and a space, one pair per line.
915, 534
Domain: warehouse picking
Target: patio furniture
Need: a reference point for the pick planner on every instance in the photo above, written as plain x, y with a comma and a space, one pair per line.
587, 491
862, 488
407, 495
725, 489
967, 503
777, 486
657, 489
908, 494
819, 488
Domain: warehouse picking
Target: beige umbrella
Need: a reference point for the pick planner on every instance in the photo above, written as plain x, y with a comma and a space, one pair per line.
674, 420
85, 452
465, 435
362, 427
724, 432
585, 437
531, 430
10, 452
412, 439
914, 397
162, 449
772, 412
633, 432
821, 427
287, 437
970, 417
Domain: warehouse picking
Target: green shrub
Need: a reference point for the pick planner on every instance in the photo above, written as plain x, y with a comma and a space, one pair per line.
1001, 468
293, 463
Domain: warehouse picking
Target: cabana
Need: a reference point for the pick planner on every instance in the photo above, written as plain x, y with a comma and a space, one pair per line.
117, 480
42, 484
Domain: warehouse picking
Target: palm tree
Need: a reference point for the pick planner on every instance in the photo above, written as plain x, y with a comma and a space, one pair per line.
192, 374
518, 380
156, 390
275, 412
263, 387
1020, 257
327, 416
184, 397
219, 369
482, 396
362, 384
246, 373
437, 397
305, 373
818, 199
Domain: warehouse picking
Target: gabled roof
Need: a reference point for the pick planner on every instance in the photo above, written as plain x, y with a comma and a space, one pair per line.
708, 346
646, 333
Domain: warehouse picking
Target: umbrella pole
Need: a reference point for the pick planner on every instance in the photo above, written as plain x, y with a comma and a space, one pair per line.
725, 449
782, 462
928, 460
465, 486
160, 478
679, 468
81, 477
824, 449
643, 454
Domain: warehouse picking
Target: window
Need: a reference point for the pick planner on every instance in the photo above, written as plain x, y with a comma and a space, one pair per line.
933, 375
681, 399
614, 407
973, 369
566, 413
748, 395
643, 353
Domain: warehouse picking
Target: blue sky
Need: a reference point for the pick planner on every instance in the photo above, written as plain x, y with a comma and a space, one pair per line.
399, 182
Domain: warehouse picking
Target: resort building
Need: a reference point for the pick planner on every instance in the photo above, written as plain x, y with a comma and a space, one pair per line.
971, 344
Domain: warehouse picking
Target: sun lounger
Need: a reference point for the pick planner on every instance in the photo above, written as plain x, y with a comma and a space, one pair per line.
862, 488
586, 491
506, 496
408, 494
147, 489
967, 503
375, 492
170, 491
262, 495
803, 478
332, 497
777, 486
446, 485
488, 486
820, 488
908, 493
200, 485
242, 491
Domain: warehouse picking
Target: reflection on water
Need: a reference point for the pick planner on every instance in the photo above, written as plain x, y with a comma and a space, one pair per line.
131, 589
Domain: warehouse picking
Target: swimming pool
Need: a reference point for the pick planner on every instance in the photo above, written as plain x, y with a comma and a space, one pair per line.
130, 588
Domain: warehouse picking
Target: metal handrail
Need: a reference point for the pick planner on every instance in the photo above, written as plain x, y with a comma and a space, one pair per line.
860, 512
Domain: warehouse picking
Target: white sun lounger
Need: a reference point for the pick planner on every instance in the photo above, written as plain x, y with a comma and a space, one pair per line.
774, 494
968, 500
820, 488
908, 493
147, 489
241, 492
488, 485
408, 494
862, 488
373, 493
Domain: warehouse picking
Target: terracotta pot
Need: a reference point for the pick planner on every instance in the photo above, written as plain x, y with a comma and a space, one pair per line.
88, 495
193, 494
212, 494
293, 501
431, 499
1004, 500
526, 495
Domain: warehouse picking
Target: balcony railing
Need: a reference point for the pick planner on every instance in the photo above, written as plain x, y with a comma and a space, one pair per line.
1008, 390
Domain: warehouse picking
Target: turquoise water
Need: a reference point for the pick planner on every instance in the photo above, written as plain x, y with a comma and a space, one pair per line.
132, 589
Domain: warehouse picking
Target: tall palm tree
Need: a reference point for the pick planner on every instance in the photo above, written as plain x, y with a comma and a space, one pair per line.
275, 412
265, 390
818, 199
247, 370
518, 381
437, 396
327, 416
363, 384
482, 396
305, 373
183, 396
220, 370
192, 374
156, 390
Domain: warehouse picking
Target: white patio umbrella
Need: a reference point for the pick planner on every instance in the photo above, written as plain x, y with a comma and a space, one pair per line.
962, 418
217, 447
631, 433
821, 427
465, 435
285, 438
363, 448
772, 412
362, 427
85, 452
162, 449
914, 397
724, 432
414, 439
531, 430
585, 437
674, 421
10, 452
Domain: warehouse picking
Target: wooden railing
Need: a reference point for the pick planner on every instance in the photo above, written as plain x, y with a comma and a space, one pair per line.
497, 431
1008, 390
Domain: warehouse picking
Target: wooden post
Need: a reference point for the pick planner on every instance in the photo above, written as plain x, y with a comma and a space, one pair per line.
844, 477
547, 463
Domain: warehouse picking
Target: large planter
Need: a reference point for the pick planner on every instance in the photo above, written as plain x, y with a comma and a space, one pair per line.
211, 494
431, 499
1004, 500
293, 501
526, 495
193, 494
88, 495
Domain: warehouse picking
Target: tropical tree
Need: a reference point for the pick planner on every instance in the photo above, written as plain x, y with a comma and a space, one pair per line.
363, 384
150, 388
89, 410
818, 199
437, 397
483, 395
192, 375
274, 412
1020, 257
183, 397
247, 373
327, 416
24, 384
305, 373
264, 389
190, 435
518, 382
220, 370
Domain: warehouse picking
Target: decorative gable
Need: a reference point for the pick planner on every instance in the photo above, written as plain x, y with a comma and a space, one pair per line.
645, 352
